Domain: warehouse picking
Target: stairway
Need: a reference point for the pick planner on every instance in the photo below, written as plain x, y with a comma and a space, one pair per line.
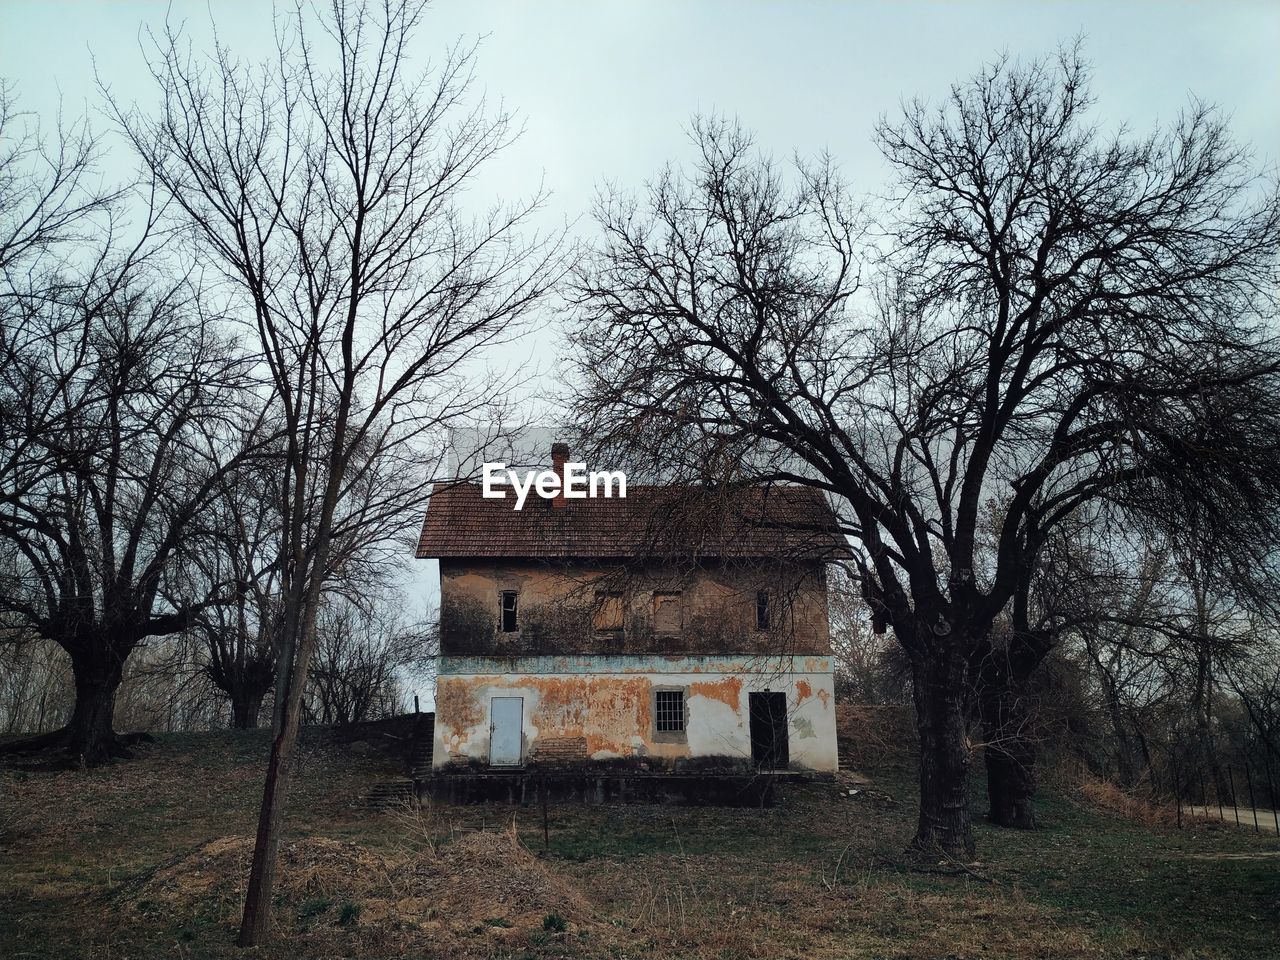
424, 748
390, 794
398, 793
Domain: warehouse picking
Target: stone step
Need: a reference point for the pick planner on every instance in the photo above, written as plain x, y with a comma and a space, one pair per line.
390, 793
391, 788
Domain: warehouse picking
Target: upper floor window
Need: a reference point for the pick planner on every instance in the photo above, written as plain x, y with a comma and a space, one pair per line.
509, 600
764, 616
608, 612
667, 615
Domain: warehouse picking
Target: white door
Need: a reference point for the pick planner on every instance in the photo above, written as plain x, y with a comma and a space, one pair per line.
506, 716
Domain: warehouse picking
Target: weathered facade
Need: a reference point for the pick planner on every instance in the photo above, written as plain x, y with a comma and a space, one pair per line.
659, 631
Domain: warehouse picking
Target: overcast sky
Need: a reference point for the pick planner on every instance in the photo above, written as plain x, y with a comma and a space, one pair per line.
605, 90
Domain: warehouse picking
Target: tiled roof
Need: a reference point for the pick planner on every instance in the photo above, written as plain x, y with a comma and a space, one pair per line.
651, 521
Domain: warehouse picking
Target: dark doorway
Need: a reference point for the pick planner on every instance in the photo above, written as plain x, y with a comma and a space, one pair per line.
768, 712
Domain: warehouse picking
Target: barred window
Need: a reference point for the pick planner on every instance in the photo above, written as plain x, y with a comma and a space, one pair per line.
670, 711
763, 620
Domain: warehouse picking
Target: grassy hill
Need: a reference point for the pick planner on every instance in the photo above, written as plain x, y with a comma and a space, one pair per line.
149, 859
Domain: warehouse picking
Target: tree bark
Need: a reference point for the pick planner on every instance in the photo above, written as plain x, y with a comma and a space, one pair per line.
245, 706
939, 691
255, 925
1004, 705
89, 735
1011, 778
291, 682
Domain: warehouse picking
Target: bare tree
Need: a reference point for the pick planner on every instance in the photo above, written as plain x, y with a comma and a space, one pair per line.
329, 199
113, 392
868, 667
121, 447
240, 547
52, 221
49, 200
1059, 317
362, 651
1163, 633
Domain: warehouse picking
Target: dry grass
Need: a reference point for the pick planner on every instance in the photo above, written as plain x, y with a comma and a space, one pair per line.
478, 878
1115, 801
149, 859
874, 737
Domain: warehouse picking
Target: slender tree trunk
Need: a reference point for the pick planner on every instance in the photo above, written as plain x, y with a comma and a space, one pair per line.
1127, 754
1205, 756
940, 692
291, 683
255, 926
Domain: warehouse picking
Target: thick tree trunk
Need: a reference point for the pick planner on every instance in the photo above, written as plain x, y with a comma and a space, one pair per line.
89, 736
1004, 704
1010, 753
940, 691
1011, 781
245, 706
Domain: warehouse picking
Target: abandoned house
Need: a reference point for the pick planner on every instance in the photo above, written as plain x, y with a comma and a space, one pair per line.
670, 630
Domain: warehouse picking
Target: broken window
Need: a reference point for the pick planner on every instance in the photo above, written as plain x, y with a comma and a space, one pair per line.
510, 623
608, 613
667, 618
669, 711
763, 621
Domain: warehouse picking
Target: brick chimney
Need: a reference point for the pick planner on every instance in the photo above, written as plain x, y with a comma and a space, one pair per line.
559, 454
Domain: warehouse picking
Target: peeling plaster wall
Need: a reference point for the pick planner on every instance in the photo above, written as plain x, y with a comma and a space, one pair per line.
603, 704
717, 601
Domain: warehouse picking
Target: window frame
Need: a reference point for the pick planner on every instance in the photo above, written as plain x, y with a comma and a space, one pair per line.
604, 597
656, 697
515, 611
764, 605
672, 596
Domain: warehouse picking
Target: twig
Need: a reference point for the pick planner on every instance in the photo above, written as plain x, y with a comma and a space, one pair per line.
957, 869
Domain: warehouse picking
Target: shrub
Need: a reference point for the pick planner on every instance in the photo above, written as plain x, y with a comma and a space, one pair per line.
313, 907
554, 923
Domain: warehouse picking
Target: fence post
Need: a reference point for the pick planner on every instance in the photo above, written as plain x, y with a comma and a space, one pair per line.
1217, 790
546, 830
1271, 795
1177, 792
1252, 803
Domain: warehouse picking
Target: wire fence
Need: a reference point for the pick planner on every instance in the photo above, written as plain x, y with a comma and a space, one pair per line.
1241, 793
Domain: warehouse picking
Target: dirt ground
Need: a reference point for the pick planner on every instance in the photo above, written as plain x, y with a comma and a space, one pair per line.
149, 859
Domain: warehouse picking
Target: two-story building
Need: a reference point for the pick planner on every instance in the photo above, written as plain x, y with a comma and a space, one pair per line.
676, 628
